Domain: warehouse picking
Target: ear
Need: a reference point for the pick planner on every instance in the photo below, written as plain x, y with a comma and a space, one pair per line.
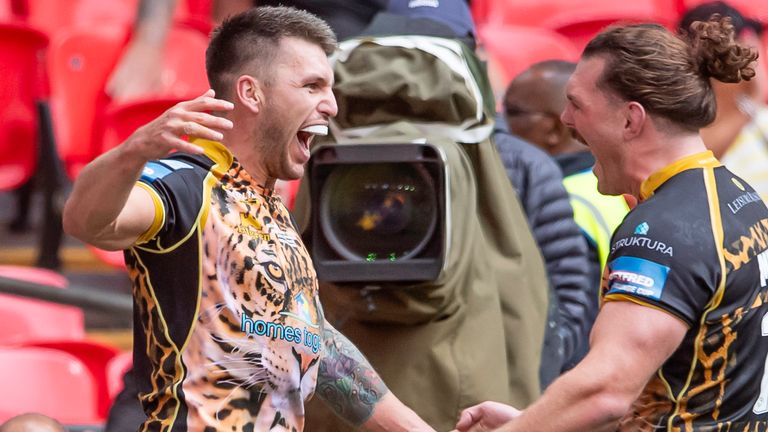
634, 120
248, 93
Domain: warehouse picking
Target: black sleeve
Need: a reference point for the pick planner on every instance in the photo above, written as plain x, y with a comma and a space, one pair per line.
177, 182
664, 259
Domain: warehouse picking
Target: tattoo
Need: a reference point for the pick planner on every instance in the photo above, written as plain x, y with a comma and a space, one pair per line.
346, 381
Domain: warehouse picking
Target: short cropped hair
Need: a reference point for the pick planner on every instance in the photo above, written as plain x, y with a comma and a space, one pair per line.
250, 39
669, 74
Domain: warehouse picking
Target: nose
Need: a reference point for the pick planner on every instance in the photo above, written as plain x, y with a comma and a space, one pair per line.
328, 106
565, 117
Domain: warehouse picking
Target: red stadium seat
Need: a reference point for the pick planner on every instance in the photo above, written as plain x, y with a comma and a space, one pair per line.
21, 51
558, 13
121, 120
53, 16
287, 191
80, 61
481, 11
514, 48
49, 382
184, 64
195, 14
580, 32
6, 14
96, 357
112, 258
26, 320
116, 368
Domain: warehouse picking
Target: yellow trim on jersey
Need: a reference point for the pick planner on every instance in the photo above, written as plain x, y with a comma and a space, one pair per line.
710, 183
625, 297
161, 250
667, 387
218, 153
158, 221
202, 217
698, 160
180, 357
208, 184
223, 160
166, 333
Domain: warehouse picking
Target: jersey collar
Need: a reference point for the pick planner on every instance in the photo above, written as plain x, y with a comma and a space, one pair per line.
704, 159
225, 160
217, 152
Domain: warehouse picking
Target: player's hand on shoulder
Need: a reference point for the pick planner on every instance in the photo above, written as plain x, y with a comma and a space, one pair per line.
190, 118
486, 416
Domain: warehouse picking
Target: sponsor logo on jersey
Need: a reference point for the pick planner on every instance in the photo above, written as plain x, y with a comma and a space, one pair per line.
251, 197
742, 200
638, 276
303, 311
158, 169
629, 277
251, 227
642, 229
643, 242
287, 237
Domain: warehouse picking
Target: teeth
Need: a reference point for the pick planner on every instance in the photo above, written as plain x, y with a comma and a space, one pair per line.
316, 130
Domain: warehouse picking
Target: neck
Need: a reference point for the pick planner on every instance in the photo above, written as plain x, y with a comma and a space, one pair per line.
242, 145
245, 146
651, 157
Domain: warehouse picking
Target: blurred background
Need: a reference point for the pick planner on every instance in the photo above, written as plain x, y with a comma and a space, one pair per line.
77, 77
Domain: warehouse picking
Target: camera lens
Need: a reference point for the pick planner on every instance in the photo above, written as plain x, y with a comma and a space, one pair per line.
380, 211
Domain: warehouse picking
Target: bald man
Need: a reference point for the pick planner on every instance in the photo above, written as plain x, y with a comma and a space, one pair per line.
31, 422
533, 102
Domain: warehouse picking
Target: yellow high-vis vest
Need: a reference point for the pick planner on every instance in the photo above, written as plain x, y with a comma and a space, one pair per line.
596, 214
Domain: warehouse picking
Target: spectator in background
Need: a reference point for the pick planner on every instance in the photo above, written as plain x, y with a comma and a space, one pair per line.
739, 134
31, 422
532, 103
539, 184
138, 72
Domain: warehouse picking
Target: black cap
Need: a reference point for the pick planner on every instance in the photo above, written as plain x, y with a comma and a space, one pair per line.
441, 18
704, 12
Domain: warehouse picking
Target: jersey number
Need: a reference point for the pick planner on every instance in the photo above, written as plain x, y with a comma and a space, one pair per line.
761, 406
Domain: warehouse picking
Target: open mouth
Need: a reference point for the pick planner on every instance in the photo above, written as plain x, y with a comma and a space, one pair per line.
578, 137
307, 134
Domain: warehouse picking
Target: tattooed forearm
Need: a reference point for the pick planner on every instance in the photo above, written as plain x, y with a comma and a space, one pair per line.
346, 381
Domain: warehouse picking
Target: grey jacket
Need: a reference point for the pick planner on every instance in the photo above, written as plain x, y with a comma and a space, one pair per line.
539, 184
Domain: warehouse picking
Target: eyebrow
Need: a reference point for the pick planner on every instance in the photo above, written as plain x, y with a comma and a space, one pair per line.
318, 78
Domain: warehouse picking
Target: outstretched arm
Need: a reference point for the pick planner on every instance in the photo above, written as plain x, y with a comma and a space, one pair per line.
598, 392
105, 208
356, 393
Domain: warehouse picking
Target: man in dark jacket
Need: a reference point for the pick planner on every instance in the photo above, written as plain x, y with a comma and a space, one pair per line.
531, 103
539, 184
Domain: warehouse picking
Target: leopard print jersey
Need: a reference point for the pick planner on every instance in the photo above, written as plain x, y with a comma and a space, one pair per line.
248, 361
